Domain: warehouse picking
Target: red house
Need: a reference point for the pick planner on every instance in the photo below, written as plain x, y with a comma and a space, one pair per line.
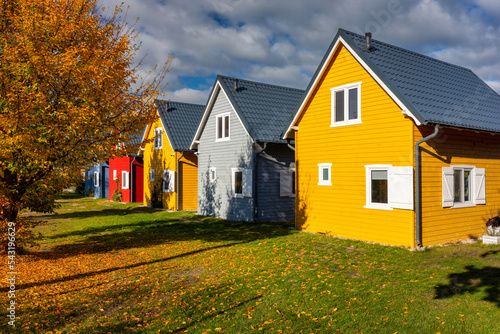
127, 174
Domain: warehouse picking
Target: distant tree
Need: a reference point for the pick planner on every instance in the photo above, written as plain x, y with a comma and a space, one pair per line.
69, 93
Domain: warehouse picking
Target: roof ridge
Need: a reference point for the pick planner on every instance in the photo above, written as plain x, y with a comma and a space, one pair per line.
259, 82
407, 50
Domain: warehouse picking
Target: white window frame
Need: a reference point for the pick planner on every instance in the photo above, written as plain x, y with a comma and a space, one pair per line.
246, 182
168, 183
400, 194
114, 174
287, 183
223, 136
321, 168
97, 179
158, 138
477, 186
212, 176
345, 89
151, 174
125, 179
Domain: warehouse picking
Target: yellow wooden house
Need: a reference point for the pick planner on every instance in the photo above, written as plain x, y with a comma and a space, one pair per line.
395, 147
170, 167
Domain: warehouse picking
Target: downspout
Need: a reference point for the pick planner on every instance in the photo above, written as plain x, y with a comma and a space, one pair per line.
256, 196
131, 181
418, 209
177, 182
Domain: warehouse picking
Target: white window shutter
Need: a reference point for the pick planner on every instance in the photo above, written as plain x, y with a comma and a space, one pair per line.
96, 179
400, 187
286, 183
479, 185
171, 181
165, 180
448, 190
247, 182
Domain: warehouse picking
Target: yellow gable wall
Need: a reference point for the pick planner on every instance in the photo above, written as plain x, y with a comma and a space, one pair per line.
384, 137
166, 158
454, 147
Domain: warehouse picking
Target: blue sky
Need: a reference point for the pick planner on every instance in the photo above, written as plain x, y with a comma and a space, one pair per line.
282, 42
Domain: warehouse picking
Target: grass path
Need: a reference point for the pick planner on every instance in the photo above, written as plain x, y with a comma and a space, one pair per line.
106, 267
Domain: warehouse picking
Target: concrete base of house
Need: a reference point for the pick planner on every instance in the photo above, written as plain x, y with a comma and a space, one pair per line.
491, 240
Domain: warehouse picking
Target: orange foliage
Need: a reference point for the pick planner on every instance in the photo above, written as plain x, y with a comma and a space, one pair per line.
69, 93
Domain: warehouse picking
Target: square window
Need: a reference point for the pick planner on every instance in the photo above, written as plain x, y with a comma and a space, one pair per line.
346, 105
324, 174
462, 185
378, 184
222, 125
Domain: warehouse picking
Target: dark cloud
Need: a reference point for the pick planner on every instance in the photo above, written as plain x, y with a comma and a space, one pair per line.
282, 42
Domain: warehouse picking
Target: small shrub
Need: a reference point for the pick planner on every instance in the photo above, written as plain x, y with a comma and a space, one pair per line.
117, 194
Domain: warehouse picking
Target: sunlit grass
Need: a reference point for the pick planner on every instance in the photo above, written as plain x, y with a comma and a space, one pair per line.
107, 267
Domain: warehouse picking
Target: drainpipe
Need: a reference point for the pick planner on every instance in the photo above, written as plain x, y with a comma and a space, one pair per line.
418, 209
131, 183
177, 182
256, 196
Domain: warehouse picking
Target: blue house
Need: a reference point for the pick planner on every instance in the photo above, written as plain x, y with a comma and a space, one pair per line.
97, 181
245, 171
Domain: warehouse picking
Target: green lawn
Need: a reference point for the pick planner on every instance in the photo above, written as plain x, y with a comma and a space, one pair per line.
105, 267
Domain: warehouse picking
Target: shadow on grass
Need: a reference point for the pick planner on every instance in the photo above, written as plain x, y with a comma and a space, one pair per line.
149, 233
108, 270
472, 280
96, 213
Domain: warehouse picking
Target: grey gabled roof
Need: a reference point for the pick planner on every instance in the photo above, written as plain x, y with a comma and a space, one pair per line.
433, 91
264, 109
180, 121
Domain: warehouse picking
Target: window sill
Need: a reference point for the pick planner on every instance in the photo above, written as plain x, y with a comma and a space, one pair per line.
345, 123
222, 139
378, 207
324, 184
463, 205
238, 196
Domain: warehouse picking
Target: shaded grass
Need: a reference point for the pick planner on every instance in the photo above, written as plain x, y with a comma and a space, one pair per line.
120, 268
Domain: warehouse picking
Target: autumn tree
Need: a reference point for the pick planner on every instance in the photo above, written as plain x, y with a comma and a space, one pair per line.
69, 92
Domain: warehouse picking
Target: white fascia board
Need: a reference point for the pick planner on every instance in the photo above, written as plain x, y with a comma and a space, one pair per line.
340, 40
206, 114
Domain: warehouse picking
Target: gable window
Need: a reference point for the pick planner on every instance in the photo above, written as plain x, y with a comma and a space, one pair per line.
324, 174
287, 183
242, 182
213, 174
96, 179
389, 187
151, 175
168, 180
222, 125
463, 186
158, 142
346, 105
125, 180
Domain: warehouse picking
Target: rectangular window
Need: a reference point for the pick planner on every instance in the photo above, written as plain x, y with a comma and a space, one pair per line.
158, 141
222, 124
287, 183
125, 180
96, 179
242, 182
324, 174
168, 180
151, 175
114, 174
463, 186
213, 174
389, 187
346, 105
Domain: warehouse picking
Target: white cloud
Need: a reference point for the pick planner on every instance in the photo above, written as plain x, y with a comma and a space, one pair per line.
189, 95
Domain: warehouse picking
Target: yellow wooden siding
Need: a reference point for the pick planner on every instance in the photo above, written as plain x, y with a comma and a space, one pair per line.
159, 160
188, 182
454, 147
384, 137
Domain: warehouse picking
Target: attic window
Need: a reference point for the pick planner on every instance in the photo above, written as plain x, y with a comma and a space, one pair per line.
158, 143
346, 105
222, 125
